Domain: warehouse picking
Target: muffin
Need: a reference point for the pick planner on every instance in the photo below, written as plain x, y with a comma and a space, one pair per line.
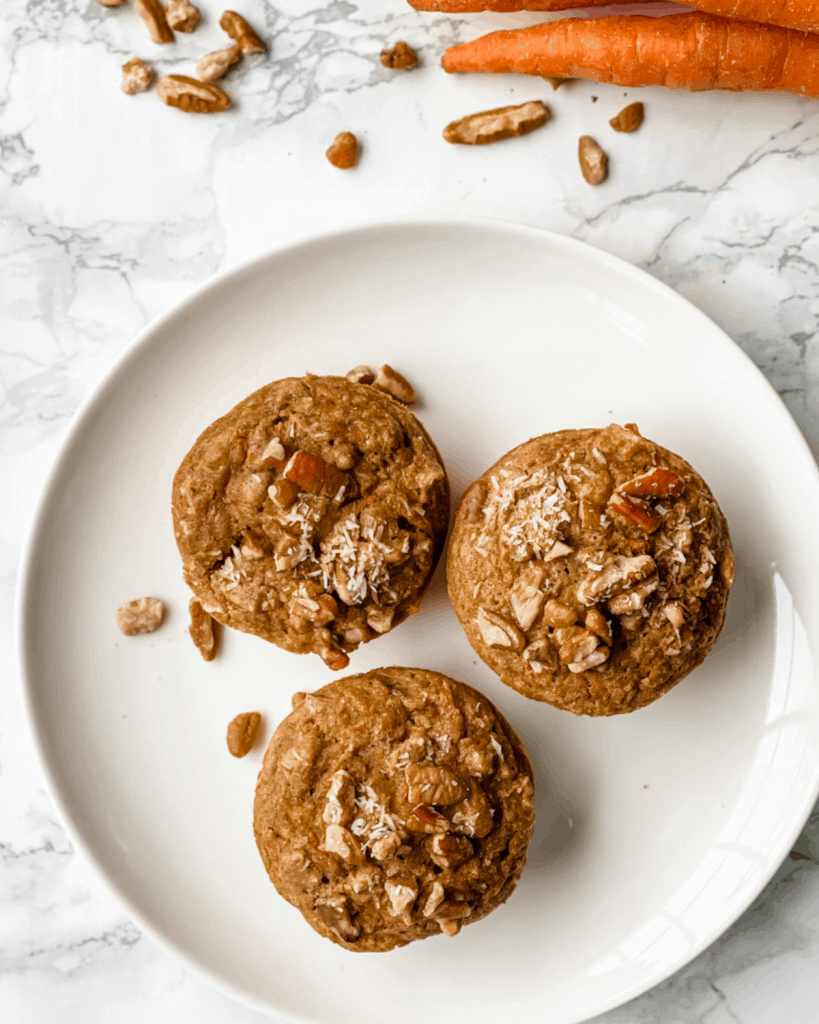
312, 515
591, 569
393, 806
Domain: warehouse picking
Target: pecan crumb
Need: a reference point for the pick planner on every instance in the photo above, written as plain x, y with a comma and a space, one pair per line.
343, 151
204, 630
399, 56
629, 119
594, 163
191, 95
182, 15
137, 76
144, 615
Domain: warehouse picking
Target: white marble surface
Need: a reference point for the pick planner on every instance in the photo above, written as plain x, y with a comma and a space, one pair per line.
112, 208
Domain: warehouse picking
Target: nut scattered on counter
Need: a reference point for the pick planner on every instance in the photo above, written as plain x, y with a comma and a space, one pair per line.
239, 30
204, 630
500, 123
182, 16
394, 384
192, 96
399, 56
629, 119
216, 65
144, 615
137, 76
593, 161
343, 151
153, 14
242, 733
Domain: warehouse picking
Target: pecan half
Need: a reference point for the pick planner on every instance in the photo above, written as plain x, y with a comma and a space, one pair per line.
429, 784
153, 14
242, 733
240, 31
497, 124
191, 95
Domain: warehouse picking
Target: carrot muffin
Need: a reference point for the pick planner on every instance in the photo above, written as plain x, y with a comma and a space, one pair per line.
393, 806
312, 515
591, 569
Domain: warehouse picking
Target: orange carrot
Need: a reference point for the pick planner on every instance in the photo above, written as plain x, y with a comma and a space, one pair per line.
797, 14
681, 51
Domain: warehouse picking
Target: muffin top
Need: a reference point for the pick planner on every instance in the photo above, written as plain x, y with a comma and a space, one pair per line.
312, 515
591, 569
392, 806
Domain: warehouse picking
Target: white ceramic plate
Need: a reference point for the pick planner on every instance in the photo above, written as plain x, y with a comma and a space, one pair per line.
654, 830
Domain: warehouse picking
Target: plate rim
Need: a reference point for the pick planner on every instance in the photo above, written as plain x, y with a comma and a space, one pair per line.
27, 567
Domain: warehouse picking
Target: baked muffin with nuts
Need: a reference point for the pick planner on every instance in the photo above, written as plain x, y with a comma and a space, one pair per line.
591, 569
393, 806
312, 515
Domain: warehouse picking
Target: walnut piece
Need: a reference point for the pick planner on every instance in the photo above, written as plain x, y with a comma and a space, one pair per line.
242, 733
214, 66
241, 32
204, 630
399, 56
390, 380
629, 119
497, 124
144, 615
343, 151
153, 14
594, 164
191, 95
137, 76
182, 15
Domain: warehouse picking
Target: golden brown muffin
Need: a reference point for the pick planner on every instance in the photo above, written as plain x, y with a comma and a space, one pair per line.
591, 569
393, 806
312, 515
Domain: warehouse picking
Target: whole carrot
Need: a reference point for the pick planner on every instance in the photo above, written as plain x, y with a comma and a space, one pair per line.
797, 14
681, 51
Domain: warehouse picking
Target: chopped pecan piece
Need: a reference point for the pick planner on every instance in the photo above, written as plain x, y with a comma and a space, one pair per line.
472, 503
204, 630
557, 614
182, 15
402, 892
312, 474
242, 732
241, 32
399, 56
426, 819
434, 900
361, 375
597, 657
137, 76
576, 643
394, 384
334, 658
597, 622
343, 843
635, 511
497, 632
343, 151
618, 573
340, 806
144, 615
473, 816
632, 600
526, 598
336, 915
497, 124
386, 846
283, 493
449, 851
674, 611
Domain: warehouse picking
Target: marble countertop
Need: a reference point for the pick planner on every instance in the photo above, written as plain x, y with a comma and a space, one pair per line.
112, 208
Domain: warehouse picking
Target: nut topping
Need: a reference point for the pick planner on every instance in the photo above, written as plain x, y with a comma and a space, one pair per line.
242, 732
342, 843
525, 597
426, 819
361, 375
597, 657
618, 574
434, 900
283, 493
402, 892
386, 846
429, 784
597, 622
632, 600
335, 914
204, 630
394, 384
380, 620
674, 611
497, 124
144, 615
576, 644
239, 30
557, 550
657, 483
557, 614
334, 658
472, 503
449, 851
182, 16
497, 632
312, 474
635, 511
340, 806
137, 76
